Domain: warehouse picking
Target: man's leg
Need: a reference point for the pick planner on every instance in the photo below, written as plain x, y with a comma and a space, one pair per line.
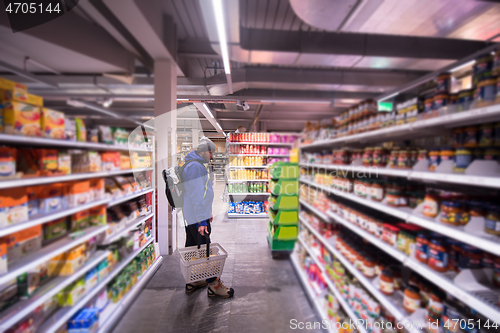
192, 237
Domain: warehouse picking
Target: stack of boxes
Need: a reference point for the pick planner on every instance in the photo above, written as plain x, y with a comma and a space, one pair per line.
283, 207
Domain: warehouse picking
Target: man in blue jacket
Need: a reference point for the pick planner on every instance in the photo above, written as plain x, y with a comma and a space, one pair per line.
197, 209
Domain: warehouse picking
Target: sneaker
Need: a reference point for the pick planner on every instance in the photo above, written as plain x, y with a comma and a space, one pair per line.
218, 289
190, 287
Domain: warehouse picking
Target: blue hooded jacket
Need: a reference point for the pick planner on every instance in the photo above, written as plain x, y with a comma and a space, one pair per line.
199, 193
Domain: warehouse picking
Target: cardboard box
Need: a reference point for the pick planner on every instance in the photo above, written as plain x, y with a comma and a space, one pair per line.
24, 242
21, 95
64, 162
97, 189
3, 257
69, 262
48, 160
51, 198
80, 220
21, 119
55, 229
33, 193
53, 124
13, 206
79, 193
9, 85
8, 158
97, 216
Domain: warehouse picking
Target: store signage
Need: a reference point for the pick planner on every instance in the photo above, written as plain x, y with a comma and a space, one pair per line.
384, 106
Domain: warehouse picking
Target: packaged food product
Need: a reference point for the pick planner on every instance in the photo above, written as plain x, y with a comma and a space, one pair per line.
33, 195
24, 242
93, 135
91, 279
491, 154
492, 221
50, 198
438, 256
105, 135
8, 158
390, 234
48, 161
64, 162
434, 159
97, 191
454, 249
111, 161
470, 257
435, 306
486, 90
431, 205
97, 215
81, 132
120, 136
125, 163
463, 158
447, 154
113, 188
387, 282
29, 282
21, 119
80, 220
72, 294
3, 261
440, 101
471, 136
9, 85
411, 301
53, 124
79, 193
55, 229
454, 212
443, 83
70, 129
13, 206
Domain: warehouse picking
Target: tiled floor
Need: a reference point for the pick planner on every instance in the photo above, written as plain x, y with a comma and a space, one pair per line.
267, 296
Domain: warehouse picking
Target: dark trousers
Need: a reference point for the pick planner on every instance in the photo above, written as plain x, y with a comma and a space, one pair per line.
193, 238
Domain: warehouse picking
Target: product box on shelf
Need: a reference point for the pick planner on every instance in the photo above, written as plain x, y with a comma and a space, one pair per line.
79, 193
68, 262
97, 189
110, 161
51, 197
33, 195
24, 242
21, 119
70, 129
81, 131
20, 95
112, 187
97, 215
8, 294
53, 124
125, 163
105, 135
64, 162
86, 161
3, 257
10, 85
72, 294
120, 136
124, 185
13, 206
91, 279
55, 229
30, 281
80, 220
8, 158
48, 160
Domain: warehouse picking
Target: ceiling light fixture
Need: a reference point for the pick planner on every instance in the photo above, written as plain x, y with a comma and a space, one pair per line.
219, 126
107, 103
387, 97
183, 99
467, 64
208, 110
221, 31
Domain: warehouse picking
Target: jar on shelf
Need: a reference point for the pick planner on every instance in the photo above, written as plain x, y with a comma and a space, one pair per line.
415, 199
463, 158
486, 90
434, 159
369, 266
431, 204
390, 234
377, 190
491, 155
395, 196
425, 291
471, 136
458, 137
379, 157
469, 257
447, 154
440, 101
404, 159
451, 314
386, 285
487, 260
422, 155
398, 276
492, 221
422, 247
368, 156
411, 301
454, 213
454, 249
435, 306
393, 158
438, 255
486, 135
476, 209
428, 105
443, 83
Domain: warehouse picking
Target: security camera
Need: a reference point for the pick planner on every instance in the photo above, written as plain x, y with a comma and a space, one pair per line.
245, 106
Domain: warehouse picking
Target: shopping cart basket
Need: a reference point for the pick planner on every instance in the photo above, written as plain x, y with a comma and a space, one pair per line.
195, 266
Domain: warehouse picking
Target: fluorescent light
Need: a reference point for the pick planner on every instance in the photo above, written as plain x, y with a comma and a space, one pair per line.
183, 99
107, 103
221, 31
390, 96
218, 126
208, 110
467, 64
224, 134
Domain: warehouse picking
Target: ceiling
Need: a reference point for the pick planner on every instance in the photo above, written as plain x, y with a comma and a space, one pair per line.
302, 60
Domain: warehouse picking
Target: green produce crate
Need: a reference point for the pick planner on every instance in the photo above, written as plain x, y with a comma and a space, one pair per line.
284, 217
283, 233
284, 186
284, 170
286, 202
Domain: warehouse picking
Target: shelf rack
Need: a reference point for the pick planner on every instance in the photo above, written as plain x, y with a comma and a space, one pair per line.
284, 144
129, 197
482, 302
130, 226
248, 216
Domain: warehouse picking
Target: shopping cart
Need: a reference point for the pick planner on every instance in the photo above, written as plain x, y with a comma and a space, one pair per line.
196, 266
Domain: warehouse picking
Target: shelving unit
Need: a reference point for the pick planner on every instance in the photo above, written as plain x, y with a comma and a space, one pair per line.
131, 225
253, 216
263, 155
483, 301
129, 197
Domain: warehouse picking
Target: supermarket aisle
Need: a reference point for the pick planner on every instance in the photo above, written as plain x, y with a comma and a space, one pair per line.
267, 292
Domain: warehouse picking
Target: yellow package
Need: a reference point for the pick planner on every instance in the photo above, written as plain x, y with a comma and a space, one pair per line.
21, 119
53, 124
9, 85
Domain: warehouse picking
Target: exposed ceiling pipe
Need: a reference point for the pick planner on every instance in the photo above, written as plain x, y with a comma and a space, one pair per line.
36, 63
256, 116
27, 75
349, 15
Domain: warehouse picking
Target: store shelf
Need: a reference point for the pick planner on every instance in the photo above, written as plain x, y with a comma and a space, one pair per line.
114, 310
483, 302
471, 117
63, 315
247, 167
250, 194
39, 141
57, 179
46, 253
18, 311
263, 155
285, 144
395, 253
401, 213
309, 292
247, 216
128, 197
488, 243
425, 176
385, 301
130, 226
41, 219
246, 180
315, 210
331, 286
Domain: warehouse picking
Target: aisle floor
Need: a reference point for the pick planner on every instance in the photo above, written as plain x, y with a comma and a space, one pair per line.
267, 296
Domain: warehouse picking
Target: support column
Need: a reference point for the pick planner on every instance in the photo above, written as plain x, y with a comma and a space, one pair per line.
166, 148
195, 133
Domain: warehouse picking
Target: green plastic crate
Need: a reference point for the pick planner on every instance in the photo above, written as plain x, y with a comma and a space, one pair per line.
286, 202
284, 233
280, 245
284, 217
284, 170
284, 186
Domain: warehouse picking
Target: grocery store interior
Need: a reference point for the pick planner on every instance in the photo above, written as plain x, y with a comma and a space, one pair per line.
354, 164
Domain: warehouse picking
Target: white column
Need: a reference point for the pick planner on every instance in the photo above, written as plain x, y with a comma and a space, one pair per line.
195, 136
166, 147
